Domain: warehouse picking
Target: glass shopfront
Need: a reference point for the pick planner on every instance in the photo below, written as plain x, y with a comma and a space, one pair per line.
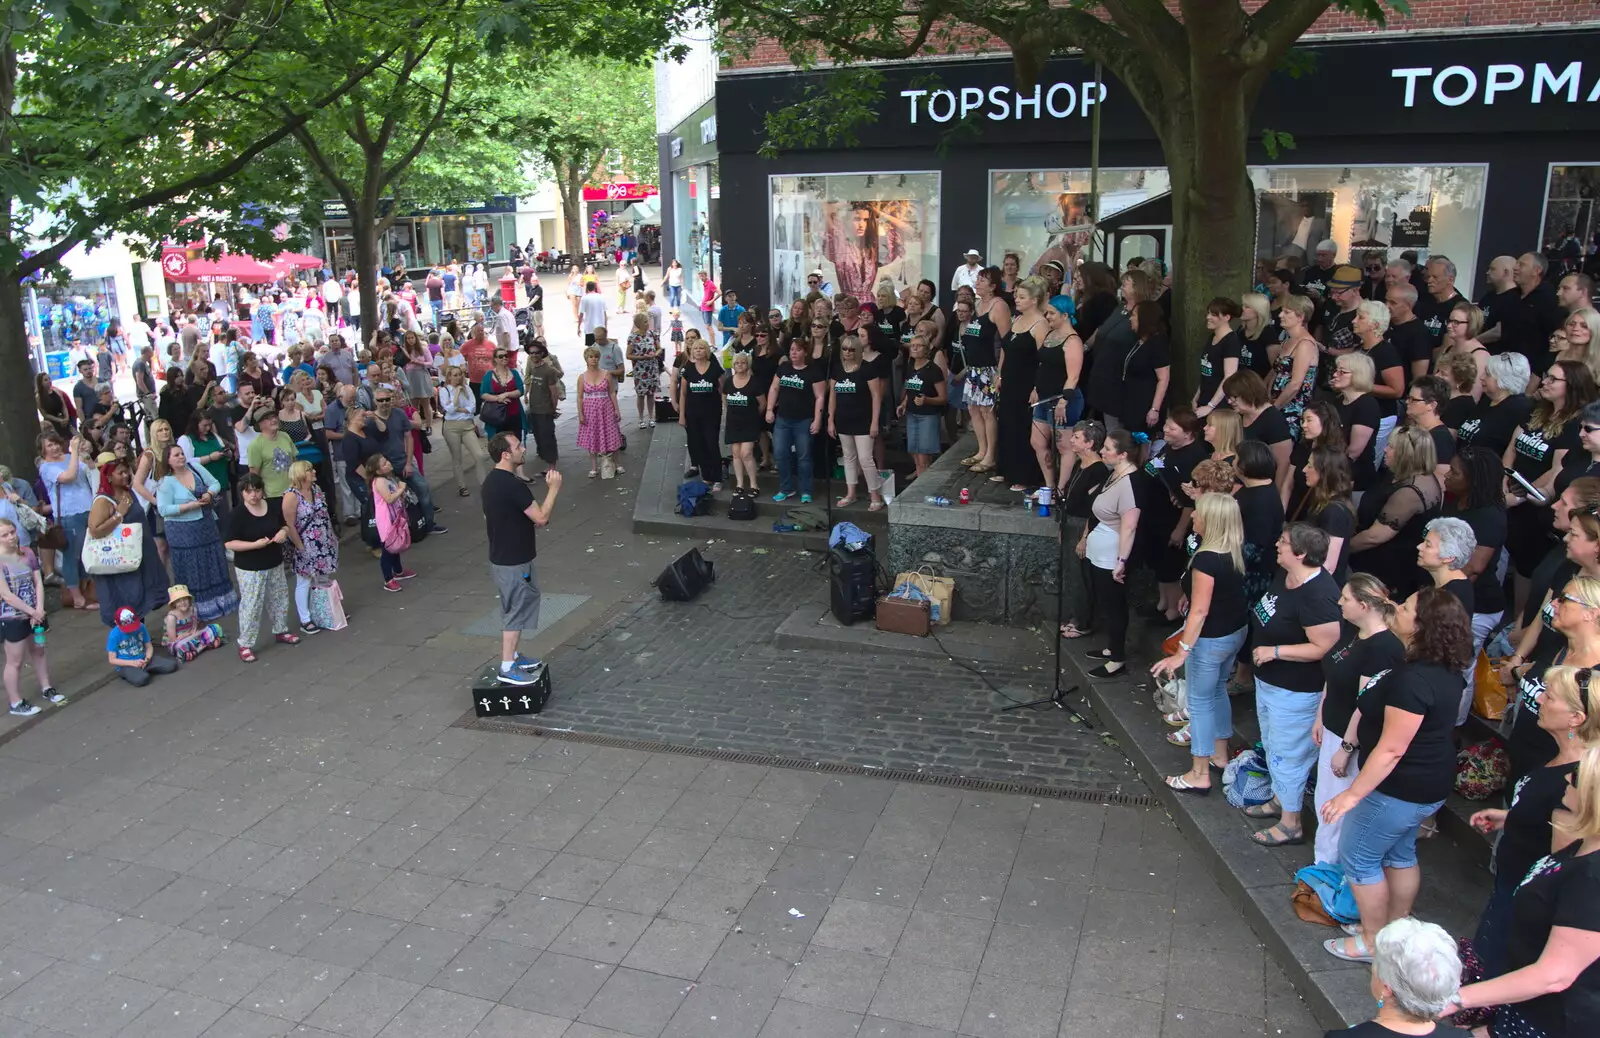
859, 228
73, 312
1570, 229
1431, 210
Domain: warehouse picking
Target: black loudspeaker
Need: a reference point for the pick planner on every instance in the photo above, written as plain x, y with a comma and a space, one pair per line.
685, 578
492, 697
852, 585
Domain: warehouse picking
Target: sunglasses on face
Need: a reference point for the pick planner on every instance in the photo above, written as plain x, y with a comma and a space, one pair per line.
1590, 428
386, 400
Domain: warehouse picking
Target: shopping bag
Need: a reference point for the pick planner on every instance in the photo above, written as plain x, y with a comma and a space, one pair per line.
941, 592
1488, 691
327, 607
888, 485
120, 551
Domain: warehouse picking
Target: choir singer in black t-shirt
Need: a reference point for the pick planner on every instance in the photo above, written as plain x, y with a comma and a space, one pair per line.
1402, 731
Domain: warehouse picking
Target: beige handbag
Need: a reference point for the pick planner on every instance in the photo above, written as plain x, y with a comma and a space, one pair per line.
608, 466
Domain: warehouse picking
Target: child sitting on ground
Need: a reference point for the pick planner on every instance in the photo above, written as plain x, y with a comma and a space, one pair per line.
131, 652
186, 637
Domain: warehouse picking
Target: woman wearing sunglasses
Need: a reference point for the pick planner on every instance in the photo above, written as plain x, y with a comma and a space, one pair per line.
500, 396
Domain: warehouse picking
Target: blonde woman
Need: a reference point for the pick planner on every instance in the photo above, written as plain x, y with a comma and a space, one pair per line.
457, 409
700, 411
1214, 633
854, 414
644, 351
1294, 365
418, 376
312, 547
1224, 431
162, 438
1582, 332
1391, 517
745, 402
1360, 413
599, 415
1257, 333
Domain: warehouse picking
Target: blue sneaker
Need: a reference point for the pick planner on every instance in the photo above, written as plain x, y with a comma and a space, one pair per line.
526, 663
780, 496
805, 499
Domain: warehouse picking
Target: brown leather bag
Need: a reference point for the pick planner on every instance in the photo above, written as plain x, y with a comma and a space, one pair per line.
903, 616
1308, 906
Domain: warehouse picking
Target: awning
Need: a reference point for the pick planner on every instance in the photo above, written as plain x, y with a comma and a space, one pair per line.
639, 212
178, 265
297, 261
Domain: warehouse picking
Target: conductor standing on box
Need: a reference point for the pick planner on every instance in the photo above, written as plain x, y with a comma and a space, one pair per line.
513, 516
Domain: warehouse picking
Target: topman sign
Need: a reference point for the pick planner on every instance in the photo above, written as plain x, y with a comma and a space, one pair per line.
1002, 103
1457, 85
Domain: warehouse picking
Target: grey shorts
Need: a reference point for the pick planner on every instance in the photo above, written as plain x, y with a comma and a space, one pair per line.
519, 596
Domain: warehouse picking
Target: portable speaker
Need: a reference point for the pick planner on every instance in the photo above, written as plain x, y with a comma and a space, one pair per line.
686, 577
852, 585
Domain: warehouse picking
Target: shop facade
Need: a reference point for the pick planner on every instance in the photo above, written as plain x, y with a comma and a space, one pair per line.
472, 234
108, 281
694, 191
1466, 146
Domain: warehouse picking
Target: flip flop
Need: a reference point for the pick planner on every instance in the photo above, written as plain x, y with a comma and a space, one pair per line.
1350, 949
1181, 784
1264, 838
844, 502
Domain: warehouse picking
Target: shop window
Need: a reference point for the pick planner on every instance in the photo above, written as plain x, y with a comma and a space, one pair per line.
1429, 210
1571, 227
73, 313
861, 229
1044, 214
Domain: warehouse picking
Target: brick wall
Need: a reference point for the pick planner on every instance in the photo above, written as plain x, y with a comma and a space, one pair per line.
1427, 15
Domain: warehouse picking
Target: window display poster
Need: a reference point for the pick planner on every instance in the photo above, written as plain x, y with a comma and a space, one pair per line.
859, 229
478, 242
1044, 214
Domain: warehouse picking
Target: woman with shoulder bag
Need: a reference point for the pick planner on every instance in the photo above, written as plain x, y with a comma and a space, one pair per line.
1212, 635
456, 410
500, 396
144, 589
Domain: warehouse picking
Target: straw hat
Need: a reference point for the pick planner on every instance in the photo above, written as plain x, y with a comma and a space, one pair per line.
176, 592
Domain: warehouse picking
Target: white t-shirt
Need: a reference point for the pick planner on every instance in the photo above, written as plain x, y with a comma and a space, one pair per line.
593, 309
331, 292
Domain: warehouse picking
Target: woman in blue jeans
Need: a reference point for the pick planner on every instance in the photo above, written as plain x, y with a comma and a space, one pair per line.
1403, 727
1218, 620
794, 407
1293, 625
68, 482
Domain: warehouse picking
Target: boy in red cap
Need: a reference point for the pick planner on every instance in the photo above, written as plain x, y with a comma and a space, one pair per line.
132, 654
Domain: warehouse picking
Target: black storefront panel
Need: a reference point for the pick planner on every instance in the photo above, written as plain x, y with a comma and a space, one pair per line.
1494, 111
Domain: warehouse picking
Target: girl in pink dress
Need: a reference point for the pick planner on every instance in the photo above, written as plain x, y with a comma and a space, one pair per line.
599, 414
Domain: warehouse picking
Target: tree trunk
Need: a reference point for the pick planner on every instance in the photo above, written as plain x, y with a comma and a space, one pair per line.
19, 410
1213, 217
569, 185
364, 228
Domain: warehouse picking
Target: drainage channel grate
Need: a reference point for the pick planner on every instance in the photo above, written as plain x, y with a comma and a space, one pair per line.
481, 724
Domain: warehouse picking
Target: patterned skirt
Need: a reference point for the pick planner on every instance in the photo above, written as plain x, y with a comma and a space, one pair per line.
199, 561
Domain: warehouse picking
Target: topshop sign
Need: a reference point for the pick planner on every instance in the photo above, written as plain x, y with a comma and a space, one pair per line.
1003, 104
1457, 85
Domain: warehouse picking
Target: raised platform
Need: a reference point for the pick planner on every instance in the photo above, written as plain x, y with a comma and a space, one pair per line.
1001, 555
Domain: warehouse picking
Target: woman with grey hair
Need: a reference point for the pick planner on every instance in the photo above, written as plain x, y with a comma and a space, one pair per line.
1416, 971
1503, 406
1446, 548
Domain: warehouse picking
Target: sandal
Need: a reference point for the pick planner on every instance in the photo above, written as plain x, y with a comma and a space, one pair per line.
594, 473
1177, 719
1428, 829
1236, 689
1181, 784
1285, 838
1071, 630
844, 502
996, 478
971, 460
1180, 737
1263, 811
877, 505
1350, 949
981, 467
1018, 488
245, 655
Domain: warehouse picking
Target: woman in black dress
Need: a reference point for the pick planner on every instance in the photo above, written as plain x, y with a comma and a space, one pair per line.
1019, 362
1146, 370
1328, 507
1393, 515
1081, 478
1257, 333
1095, 299
700, 412
1360, 414
1056, 400
1537, 453
746, 401
1108, 352
1221, 356
984, 333
1261, 509
1166, 512
770, 352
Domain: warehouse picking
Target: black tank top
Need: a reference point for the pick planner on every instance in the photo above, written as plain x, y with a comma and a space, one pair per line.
979, 342
1051, 377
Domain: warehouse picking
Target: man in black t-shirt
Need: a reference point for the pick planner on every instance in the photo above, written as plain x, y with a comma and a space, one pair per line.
1314, 279
1408, 334
1533, 316
1497, 298
1575, 292
1434, 307
512, 517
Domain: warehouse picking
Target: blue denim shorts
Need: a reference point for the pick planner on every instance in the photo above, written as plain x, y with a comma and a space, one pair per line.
1381, 833
922, 434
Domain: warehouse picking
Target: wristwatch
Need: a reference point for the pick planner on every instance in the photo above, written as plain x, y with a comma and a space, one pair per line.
1185, 646
1347, 746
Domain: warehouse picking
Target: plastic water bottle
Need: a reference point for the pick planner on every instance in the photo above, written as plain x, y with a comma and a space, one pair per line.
937, 502
38, 634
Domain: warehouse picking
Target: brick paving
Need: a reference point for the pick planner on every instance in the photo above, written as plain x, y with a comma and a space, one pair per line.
707, 673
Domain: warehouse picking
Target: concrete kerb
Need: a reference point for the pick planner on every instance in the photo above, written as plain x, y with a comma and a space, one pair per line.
813, 626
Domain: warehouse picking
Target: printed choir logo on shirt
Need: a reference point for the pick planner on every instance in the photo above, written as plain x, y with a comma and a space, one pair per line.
1342, 653
1516, 791
737, 399
845, 385
914, 385
1435, 324
1266, 608
1547, 615
973, 328
792, 381
1205, 364
1468, 430
1530, 690
702, 386
1533, 445
1154, 466
1545, 866
1245, 357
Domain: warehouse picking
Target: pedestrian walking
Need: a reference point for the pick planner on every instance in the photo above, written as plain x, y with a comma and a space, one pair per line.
513, 517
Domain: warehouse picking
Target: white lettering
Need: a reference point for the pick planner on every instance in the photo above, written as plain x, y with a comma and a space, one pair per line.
971, 97
1500, 79
1092, 96
933, 99
1462, 98
913, 95
1543, 77
1050, 100
998, 109
1410, 75
1019, 102
1594, 92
